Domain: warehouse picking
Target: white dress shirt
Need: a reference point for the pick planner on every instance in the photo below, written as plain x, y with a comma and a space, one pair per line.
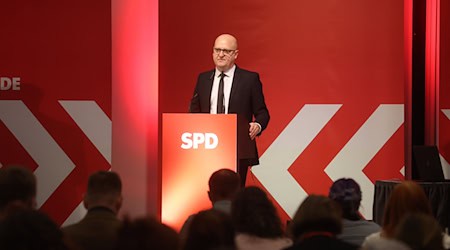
227, 84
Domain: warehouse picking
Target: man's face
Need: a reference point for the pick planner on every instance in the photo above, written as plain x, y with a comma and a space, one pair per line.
224, 53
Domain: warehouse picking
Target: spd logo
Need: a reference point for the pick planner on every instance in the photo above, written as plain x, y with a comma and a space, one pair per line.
194, 140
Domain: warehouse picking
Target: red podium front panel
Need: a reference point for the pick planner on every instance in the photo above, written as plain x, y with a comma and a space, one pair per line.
193, 147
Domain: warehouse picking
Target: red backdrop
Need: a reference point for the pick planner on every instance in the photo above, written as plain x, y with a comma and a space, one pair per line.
332, 74
59, 58
336, 62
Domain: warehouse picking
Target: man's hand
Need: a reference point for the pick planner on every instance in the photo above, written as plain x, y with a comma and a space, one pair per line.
255, 128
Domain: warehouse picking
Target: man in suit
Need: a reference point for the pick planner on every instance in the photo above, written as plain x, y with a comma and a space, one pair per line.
99, 228
229, 89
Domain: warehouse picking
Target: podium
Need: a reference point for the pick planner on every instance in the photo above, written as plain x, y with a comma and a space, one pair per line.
193, 147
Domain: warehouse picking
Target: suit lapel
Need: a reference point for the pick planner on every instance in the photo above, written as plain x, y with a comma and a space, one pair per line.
209, 84
234, 89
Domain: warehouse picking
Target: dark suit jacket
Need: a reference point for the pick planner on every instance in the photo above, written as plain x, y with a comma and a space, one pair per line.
246, 100
96, 231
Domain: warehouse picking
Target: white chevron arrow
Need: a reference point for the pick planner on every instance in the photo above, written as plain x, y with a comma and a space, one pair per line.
445, 167
95, 124
446, 112
444, 162
363, 146
276, 160
53, 164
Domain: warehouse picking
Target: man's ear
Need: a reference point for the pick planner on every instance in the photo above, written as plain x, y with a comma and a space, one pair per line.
33, 203
119, 203
85, 202
209, 196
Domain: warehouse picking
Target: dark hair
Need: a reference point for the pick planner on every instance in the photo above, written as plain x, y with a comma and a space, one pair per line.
224, 184
102, 185
407, 197
253, 213
347, 193
210, 229
145, 234
16, 183
316, 213
30, 229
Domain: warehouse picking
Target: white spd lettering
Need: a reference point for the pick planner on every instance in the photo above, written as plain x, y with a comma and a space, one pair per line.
7, 83
194, 140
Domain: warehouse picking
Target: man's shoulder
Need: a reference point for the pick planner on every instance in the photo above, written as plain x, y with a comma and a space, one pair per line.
94, 218
246, 71
207, 74
86, 227
240, 71
72, 228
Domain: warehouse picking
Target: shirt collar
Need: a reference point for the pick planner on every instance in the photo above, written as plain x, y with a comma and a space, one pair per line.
229, 73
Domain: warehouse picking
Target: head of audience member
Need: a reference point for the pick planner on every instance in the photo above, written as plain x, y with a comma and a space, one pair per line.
317, 213
254, 214
104, 190
145, 234
419, 231
210, 229
31, 230
407, 197
17, 190
223, 185
225, 52
347, 193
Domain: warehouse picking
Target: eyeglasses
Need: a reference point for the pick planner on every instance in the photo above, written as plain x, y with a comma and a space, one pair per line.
225, 51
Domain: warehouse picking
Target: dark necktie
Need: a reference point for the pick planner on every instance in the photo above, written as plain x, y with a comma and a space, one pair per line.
220, 96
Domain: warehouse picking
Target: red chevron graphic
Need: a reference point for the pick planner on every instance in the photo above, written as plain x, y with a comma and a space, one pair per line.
308, 169
389, 160
75, 144
310, 165
85, 156
12, 151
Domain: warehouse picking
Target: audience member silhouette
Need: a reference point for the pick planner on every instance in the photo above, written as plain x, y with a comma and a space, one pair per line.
347, 193
420, 231
17, 190
316, 224
223, 187
256, 222
210, 229
223, 184
103, 199
146, 234
30, 230
407, 197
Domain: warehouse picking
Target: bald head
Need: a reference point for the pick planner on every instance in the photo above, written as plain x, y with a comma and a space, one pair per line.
225, 52
227, 39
